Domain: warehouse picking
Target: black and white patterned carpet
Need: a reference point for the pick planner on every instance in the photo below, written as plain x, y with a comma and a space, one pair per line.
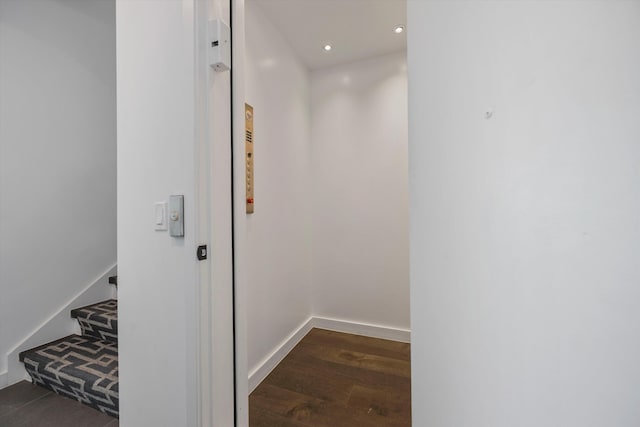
84, 368
99, 320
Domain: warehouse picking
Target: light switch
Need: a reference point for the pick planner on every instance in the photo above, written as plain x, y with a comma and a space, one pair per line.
160, 216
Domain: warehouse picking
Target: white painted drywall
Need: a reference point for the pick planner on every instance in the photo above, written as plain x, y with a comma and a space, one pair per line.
360, 192
278, 234
156, 158
57, 157
525, 235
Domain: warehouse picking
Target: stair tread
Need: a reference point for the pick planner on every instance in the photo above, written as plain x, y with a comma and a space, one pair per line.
80, 367
99, 320
107, 309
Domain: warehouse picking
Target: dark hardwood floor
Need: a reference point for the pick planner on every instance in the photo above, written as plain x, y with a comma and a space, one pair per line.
337, 380
27, 405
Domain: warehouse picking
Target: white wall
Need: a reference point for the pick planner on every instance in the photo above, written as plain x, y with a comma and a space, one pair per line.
278, 234
360, 192
57, 157
156, 158
524, 227
174, 129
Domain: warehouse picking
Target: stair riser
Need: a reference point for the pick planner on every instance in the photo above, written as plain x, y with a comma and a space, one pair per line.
107, 404
99, 320
100, 330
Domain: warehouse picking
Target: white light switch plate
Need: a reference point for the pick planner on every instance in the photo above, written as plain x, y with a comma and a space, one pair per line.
160, 216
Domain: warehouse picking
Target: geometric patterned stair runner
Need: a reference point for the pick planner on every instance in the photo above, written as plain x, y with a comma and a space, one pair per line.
83, 368
99, 320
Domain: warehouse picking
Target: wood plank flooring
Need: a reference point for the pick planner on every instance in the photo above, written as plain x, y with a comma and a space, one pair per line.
27, 405
331, 379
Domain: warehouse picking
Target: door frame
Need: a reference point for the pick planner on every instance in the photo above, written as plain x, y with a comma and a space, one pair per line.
216, 351
239, 221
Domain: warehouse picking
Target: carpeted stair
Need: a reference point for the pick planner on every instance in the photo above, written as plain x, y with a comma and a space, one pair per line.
82, 367
99, 320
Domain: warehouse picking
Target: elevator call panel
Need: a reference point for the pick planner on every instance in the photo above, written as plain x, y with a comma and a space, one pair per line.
248, 143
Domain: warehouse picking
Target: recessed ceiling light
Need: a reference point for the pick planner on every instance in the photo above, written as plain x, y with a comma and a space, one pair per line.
398, 29
327, 47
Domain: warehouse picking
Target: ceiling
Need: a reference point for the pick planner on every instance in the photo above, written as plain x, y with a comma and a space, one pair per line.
356, 29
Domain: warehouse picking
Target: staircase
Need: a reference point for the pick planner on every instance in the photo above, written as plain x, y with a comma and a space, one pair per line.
82, 367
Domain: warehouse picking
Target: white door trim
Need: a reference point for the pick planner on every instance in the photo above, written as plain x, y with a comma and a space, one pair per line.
240, 296
215, 370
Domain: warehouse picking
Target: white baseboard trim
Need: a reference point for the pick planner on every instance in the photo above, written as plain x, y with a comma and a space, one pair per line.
365, 329
59, 324
264, 368
4, 380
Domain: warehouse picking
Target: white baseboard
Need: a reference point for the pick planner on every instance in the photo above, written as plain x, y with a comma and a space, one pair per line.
57, 325
264, 368
4, 380
365, 329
